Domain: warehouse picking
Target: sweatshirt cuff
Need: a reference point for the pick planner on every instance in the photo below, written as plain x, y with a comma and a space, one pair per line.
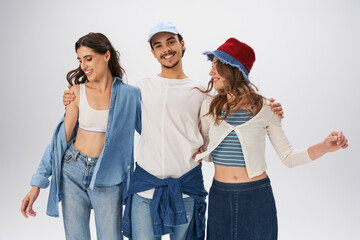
39, 181
307, 156
302, 157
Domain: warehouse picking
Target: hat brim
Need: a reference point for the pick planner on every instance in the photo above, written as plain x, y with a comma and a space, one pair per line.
227, 59
153, 34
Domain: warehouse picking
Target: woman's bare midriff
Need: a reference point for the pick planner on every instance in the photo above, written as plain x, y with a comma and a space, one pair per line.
228, 174
89, 143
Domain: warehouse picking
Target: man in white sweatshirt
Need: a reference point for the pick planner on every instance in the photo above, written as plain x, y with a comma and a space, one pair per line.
170, 126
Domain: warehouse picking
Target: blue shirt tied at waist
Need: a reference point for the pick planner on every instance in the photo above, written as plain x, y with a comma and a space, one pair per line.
115, 163
167, 204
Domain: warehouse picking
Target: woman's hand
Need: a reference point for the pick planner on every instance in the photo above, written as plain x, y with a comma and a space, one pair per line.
68, 96
334, 142
27, 203
201, 150
276, 108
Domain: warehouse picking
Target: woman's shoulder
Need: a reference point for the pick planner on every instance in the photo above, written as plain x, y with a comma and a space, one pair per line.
205, 106
266, 105
129, 89
207, 101
76, 89
126, 85
265, 112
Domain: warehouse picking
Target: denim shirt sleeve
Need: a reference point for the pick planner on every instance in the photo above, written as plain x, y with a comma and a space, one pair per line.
46, 166
44, 171
138, 113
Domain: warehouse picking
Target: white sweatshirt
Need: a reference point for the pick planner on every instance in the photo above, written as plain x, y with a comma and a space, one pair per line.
170, 127
252, 139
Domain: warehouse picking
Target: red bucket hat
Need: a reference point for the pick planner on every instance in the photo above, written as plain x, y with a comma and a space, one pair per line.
236, 54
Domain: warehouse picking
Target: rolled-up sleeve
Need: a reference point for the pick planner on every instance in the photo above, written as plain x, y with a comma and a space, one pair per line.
44, 170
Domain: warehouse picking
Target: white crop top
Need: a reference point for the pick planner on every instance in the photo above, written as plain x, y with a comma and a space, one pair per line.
91, 119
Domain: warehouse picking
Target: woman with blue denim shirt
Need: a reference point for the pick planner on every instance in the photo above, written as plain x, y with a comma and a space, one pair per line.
96, 165
234, 124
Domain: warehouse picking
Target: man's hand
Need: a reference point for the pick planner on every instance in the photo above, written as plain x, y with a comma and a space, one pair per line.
201, 150
276, 108
68, 96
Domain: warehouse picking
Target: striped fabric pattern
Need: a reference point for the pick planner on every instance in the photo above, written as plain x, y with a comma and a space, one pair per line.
229, 151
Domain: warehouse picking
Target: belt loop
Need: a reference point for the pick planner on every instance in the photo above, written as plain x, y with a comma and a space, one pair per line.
75, 155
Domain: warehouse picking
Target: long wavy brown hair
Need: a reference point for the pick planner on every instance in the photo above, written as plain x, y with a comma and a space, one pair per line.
239, 88
100, 44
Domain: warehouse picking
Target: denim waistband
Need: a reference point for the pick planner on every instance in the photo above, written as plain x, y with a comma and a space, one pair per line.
76, 154
241, 187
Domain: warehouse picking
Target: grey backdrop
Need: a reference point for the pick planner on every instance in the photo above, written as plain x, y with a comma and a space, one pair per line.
307, 58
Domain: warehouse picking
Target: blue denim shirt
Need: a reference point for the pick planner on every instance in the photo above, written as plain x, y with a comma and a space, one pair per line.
116, 161
167, 204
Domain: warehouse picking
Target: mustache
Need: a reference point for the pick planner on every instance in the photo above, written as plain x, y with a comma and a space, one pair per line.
172, 52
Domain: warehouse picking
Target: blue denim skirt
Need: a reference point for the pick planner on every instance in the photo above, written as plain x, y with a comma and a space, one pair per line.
243, 211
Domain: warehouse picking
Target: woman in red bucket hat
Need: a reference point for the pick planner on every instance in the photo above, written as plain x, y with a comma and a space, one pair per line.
234, 124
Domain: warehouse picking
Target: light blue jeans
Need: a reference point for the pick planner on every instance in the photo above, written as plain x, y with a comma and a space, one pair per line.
78, 200
142, 223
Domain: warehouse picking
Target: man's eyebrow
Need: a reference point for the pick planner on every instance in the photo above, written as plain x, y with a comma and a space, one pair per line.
170, 38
